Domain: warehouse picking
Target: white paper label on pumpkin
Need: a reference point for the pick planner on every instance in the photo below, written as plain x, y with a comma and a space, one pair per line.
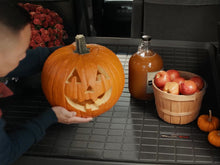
150, 77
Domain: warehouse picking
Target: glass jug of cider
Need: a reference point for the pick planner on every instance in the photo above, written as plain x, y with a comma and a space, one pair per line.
143, 65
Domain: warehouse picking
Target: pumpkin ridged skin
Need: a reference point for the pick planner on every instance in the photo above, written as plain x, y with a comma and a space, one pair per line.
60, 65
214, 138
208, 123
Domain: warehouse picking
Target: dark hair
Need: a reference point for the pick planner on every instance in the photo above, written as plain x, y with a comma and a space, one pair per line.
13, 16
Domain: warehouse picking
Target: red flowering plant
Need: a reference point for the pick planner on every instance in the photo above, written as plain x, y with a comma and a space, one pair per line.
46, 26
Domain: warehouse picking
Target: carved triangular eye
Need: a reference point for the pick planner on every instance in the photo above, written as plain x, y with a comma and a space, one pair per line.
74, 74
100, 72
98, 77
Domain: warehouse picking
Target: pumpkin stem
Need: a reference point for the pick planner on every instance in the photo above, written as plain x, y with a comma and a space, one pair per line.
210, 116
81, 44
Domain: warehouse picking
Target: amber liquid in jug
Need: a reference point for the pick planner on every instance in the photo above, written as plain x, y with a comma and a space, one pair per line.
143, 65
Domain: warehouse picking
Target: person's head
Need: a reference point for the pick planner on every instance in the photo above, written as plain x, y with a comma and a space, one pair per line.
15, 33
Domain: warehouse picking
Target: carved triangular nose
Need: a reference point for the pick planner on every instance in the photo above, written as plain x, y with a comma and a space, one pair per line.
89, 89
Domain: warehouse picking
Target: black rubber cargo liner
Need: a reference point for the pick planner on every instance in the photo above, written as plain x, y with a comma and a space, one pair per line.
131, 132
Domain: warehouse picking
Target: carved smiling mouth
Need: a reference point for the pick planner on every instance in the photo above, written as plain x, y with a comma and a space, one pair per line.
90, 104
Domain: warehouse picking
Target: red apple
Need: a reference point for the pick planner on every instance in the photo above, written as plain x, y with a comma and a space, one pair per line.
179, 80
173, 74
199, 82
188, 87
161, 78
171, 87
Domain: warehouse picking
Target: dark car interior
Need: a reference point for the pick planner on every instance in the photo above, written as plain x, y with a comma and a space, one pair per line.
186, 33
168, 20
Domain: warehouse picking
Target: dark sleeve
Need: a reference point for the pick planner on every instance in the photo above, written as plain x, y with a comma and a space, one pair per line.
32, 63
14, 144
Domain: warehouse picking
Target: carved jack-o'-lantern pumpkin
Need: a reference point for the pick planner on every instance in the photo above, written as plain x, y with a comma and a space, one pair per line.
85, 78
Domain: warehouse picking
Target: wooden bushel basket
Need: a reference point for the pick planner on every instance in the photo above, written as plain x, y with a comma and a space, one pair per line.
178, 109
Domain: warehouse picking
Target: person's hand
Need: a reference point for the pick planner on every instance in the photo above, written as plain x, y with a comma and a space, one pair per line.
66, 117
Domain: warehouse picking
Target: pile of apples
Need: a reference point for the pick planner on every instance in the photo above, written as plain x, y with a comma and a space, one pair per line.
170, 81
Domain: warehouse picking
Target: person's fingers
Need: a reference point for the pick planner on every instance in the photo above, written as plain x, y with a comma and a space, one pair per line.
68, 117
69, 114
79, 120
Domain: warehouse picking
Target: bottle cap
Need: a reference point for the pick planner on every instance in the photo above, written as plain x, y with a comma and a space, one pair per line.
146, 38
